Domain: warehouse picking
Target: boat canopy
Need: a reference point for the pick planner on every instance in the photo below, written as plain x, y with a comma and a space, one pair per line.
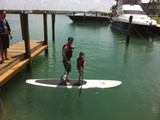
131, 2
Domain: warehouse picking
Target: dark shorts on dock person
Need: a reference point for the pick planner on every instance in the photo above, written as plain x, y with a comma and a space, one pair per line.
4, 42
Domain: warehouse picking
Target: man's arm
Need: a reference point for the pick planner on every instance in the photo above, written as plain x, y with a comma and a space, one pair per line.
64, 53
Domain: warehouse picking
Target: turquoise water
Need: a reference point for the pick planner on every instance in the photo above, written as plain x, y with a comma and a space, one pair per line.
107, 56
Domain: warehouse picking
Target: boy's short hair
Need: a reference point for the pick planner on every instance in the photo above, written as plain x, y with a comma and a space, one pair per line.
81, 53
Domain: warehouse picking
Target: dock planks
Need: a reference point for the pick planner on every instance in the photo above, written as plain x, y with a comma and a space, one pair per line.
17, 52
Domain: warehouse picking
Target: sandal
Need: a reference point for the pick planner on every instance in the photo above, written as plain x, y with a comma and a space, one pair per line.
2, 61
67, 83
7, 58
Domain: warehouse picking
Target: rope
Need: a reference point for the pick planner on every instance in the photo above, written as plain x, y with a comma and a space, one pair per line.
140, 35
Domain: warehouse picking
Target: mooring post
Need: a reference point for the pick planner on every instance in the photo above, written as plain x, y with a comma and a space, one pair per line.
74, 15
45, 32
22, 24
25, 36
84, 17
53, 27
96, 15
129, 29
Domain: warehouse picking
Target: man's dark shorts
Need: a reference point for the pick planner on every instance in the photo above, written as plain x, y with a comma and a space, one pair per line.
67, 66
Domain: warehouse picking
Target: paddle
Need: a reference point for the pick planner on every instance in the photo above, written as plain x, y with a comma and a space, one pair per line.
81, 85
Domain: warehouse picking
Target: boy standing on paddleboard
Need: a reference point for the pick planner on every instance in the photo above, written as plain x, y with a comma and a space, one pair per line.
80, 66
67, 51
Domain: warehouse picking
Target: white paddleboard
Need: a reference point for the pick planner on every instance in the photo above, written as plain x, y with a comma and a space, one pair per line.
87, 83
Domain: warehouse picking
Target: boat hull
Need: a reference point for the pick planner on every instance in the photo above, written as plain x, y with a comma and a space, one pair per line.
92, 19
136, 28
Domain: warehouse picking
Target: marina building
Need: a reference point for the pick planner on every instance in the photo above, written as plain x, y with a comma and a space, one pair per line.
152, 8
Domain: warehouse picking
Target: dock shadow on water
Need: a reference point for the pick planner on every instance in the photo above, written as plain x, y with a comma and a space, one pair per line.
1, 108
126, 54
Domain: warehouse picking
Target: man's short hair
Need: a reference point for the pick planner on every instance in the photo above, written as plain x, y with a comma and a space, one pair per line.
70, 38
1, 11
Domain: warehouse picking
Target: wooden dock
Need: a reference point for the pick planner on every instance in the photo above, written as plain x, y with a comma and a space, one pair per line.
17, 52
24, 51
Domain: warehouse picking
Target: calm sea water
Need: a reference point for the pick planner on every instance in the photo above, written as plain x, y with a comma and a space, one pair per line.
137, 66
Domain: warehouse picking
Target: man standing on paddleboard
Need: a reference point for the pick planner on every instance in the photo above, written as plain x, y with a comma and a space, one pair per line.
67, 51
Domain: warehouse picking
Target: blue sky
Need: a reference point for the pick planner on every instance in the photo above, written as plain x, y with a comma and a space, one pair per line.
79, 5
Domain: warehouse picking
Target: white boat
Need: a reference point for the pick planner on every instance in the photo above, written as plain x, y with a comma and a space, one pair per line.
141, 23
91, 16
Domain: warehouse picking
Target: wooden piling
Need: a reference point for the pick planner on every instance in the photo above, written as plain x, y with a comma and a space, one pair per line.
45, 32
25, 36
129, 30
53, 27
22, 24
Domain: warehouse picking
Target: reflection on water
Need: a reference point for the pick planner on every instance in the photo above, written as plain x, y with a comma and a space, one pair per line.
1, 108
71, 104
126, 54
29, 100
67, 105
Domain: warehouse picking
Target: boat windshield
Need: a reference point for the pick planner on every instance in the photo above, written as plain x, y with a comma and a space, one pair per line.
134, 12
